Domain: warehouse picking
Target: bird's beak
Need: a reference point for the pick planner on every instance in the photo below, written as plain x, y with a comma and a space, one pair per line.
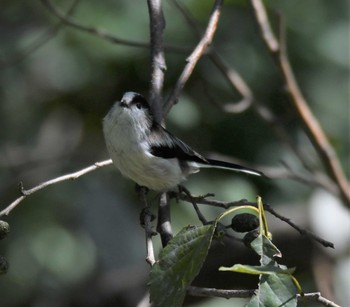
123, 104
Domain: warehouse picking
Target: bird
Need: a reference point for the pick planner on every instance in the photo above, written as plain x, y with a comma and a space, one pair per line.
145, 152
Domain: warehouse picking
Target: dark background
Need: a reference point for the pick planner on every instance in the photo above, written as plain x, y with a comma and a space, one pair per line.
79, 243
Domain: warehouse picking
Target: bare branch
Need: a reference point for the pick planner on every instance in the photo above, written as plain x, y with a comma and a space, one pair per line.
104, 34
195, 56
238, 83
265, 27
302, 231
309, 121
157, 26
226, 205
146, 219
213, 292
72, 176
164, 220
316, 297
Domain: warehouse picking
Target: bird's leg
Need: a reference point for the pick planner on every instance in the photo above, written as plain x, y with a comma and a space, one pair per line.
164, 219
201, 217
145, 214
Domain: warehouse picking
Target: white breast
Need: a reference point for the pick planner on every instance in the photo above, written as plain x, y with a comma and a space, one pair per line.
130, 154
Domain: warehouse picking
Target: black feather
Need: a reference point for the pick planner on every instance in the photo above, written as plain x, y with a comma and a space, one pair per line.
168, 146
228, 165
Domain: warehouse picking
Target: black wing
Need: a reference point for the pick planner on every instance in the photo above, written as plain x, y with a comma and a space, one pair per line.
167, 146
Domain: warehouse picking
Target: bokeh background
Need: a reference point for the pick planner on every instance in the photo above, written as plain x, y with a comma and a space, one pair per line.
79, 243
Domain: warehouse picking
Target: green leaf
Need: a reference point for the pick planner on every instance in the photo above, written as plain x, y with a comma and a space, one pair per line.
277, 286
275, 290
263, 246
179, 263
257, 270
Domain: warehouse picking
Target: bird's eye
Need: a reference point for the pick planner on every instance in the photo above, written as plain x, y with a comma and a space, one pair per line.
139, 105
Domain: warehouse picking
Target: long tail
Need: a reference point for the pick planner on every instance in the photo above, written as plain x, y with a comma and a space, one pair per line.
232, 167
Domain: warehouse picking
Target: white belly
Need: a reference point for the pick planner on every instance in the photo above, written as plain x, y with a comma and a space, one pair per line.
145, 169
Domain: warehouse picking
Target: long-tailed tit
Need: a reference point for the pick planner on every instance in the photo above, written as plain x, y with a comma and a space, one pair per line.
147, 153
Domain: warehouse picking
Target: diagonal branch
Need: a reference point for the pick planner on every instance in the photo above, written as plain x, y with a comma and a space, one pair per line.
102, 33
226, 205
72, 176
157, 26
309, 121
195, 56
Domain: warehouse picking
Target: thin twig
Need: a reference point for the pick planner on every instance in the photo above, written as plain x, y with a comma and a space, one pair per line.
226, 205
157, 26
194, 204
195, 56
316, 297
265, 27
146, 222
213, 292
164, 220
72, 176
104, 34
237, 83
302, 231
309, 121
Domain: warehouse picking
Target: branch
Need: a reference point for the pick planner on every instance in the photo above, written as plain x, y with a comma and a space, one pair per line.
309, 121
302, 231
195, 56
164, 220
213, 292
72, 176
102, 33
238, 84
226, 205
157, 26
146, 219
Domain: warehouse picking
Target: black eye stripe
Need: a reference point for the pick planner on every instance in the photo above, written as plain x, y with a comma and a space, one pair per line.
138, 99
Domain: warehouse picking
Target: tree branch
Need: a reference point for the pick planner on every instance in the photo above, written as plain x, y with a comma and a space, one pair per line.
157, 26
248, 100
146, 219
213, 292
104, 34
71, 176
226, 205
308, 120
164, 220
195, 56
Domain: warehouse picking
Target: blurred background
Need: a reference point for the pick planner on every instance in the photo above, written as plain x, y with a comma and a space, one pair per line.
79, 243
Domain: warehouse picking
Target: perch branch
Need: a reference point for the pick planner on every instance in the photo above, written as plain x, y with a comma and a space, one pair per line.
158, 66
72, 176
164, 220
147, 217
213, 292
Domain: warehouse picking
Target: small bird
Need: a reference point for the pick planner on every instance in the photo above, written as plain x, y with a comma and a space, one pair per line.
146, 152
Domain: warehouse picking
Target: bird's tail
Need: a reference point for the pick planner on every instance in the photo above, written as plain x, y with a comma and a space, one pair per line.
232, 167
